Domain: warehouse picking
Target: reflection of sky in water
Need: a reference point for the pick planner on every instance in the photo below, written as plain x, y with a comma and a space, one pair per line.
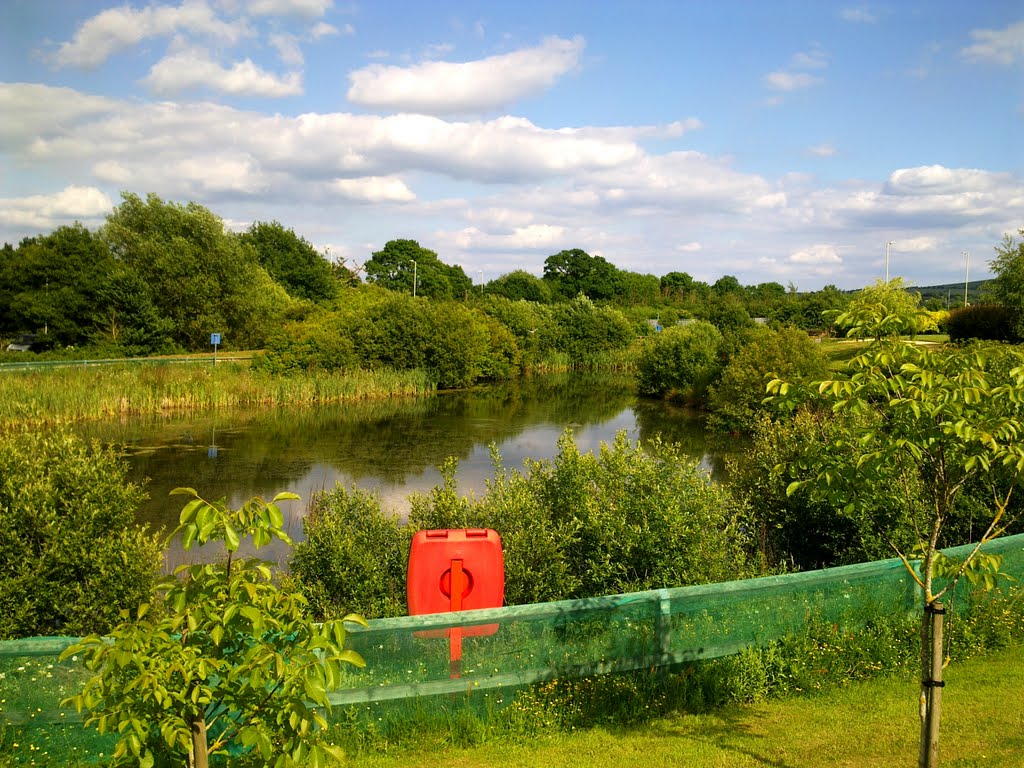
395, 454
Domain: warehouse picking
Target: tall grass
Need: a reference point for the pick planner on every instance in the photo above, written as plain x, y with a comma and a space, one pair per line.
64, 395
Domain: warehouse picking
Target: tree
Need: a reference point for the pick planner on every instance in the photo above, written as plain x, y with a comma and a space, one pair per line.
232, 660
1008, 286
52, 284
404, 265
573, 272
520, 284
291, 261
127, 318
201, 277
929, 422
884, 310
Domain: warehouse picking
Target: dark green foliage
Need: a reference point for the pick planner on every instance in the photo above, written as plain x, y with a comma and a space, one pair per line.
292, 261
127, 319
588, 330
991, 322
738, 397
402, 262
796, 529
534, 326
575, 271
53, 283
680, 362
71, 554
354, 557
520, 284
321, 343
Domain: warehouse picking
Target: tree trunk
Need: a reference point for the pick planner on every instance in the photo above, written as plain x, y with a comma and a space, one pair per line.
199, 756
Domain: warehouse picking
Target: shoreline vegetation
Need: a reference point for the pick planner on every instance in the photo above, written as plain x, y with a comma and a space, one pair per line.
68, 394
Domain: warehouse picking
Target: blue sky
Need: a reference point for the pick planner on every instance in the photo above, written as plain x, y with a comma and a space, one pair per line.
774, 141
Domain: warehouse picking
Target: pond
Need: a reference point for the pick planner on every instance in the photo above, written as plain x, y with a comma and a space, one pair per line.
393, 447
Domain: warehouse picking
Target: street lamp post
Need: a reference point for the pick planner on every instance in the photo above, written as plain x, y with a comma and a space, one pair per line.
481, 282
967, 274
890, 242
413, 277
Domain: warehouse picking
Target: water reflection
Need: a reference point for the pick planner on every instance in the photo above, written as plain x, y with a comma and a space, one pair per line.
393, 447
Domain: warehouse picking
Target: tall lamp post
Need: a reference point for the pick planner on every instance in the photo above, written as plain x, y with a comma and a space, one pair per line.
413, 277
890, 242
967, 274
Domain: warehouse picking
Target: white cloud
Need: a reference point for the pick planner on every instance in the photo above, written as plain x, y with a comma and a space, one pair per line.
288, 49
374, 189
915, 244
446, 88
194, 68
816, 254
1003, 46
822, 150
117, 29
322, 30
308, 9
790, 81
858, 15
48, 211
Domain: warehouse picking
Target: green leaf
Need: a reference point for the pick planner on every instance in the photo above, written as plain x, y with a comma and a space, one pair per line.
231, 540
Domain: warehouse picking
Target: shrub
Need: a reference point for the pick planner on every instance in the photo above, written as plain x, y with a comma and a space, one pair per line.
737, 398
354, 557
71, 554
589, 330
680, 362
990, 322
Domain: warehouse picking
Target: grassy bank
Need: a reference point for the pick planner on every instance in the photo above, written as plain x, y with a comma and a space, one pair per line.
870, 724
62, 395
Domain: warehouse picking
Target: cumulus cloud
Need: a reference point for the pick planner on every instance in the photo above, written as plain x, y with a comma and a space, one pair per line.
117, 29
473, 87
790, 81
816, 254
48, 211
1002, 46
309, 9
374, 189
194, 68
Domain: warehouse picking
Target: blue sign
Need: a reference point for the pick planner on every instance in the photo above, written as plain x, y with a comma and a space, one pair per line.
215, 339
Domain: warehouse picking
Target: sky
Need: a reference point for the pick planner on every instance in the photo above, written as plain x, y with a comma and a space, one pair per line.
796, 142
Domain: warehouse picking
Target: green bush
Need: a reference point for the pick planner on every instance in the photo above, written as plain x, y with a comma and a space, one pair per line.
589, 330
680, 362
71, 554
737, 398
354, 557
990, 322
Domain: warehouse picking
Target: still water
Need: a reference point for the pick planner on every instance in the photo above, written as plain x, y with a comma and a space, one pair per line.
392, 447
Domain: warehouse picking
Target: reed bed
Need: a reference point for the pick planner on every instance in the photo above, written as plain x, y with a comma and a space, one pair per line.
66, 395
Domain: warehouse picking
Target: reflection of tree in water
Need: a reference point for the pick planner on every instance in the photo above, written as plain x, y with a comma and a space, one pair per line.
263, 452
685, 427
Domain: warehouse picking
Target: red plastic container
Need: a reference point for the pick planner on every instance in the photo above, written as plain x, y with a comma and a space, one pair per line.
475, 553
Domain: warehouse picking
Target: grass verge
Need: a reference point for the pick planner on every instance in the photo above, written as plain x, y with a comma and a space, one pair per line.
867, 725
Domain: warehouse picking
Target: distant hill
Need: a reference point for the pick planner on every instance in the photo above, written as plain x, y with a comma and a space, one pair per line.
951, 293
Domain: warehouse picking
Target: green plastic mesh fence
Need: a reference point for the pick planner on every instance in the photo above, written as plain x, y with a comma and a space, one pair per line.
410, 657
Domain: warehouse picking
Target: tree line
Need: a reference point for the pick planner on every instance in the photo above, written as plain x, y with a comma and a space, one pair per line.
159, 277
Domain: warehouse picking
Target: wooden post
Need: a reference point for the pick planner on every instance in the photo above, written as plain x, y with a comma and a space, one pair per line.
938, 612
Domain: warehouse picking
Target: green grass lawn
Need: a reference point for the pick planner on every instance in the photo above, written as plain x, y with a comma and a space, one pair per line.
867, 725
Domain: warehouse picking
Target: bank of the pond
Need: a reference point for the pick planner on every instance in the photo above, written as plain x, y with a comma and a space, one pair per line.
70, 394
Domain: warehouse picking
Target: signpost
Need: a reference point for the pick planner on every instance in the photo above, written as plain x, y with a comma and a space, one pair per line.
215, 341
